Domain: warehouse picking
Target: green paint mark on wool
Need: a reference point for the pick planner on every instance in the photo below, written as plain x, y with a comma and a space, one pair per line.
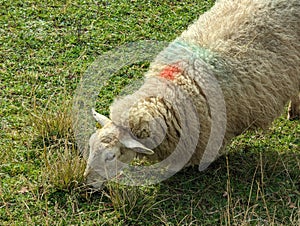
191, 52
188, 53
194, 51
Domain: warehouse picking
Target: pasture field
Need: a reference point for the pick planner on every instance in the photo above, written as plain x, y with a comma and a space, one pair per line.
45, 48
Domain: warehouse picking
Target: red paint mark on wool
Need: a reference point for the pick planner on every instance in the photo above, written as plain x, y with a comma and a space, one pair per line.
169, 72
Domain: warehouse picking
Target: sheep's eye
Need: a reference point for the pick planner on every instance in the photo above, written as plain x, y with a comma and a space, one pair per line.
109, 156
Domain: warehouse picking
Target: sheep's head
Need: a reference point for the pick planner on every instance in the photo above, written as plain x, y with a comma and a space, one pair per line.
109, 146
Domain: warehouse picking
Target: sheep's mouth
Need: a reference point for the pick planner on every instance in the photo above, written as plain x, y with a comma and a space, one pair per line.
97, 184
94, 179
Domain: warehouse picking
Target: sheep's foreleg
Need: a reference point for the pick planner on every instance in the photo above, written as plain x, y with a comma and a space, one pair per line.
294, 108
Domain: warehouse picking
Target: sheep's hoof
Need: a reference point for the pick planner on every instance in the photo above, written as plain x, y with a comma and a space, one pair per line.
293, 116
294, 108
293, 113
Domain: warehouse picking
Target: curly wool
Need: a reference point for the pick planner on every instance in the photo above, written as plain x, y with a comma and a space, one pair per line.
252, 47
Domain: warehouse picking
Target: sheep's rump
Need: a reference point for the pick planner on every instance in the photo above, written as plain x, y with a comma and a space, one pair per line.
259, 41
252, 47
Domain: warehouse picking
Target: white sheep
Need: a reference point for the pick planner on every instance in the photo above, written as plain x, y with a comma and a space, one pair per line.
251, 47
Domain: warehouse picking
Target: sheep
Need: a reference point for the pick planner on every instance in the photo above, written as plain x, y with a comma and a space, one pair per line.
252, 50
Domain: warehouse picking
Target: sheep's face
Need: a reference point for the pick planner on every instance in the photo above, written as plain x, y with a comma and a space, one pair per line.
105, 150
110, 146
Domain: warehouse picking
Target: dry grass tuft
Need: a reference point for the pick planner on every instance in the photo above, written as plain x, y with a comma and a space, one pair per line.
63, 164
131, 201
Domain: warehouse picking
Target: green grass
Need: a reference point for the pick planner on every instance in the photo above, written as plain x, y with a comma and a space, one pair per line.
46, 46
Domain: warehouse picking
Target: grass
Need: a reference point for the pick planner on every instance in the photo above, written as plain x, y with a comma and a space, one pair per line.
46, 46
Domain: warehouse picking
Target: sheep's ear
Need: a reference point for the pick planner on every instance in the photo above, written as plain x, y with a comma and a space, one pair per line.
103, 120
136, 146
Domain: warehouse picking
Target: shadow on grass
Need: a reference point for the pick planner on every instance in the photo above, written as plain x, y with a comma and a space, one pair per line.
256, 183
247, 187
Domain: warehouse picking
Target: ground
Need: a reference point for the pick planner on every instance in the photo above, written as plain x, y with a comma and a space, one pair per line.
45, 49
